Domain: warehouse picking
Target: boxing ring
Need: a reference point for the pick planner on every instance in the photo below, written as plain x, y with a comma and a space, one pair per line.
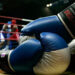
5, 25
3, 39
17, 38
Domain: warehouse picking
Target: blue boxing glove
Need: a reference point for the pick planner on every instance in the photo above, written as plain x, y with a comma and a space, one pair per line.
22, 58
62, 24
50, 55
56, 57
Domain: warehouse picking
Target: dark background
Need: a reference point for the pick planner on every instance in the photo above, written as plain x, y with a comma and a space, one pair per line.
32, 9
29, 9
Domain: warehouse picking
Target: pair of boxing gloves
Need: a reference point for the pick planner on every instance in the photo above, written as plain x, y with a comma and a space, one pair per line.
48, 53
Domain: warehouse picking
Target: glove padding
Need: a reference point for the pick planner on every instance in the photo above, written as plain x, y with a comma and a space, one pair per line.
50, 55
47, 24
52, 62
56, 57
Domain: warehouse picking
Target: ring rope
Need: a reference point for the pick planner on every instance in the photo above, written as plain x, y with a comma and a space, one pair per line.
9, 39
13, 24
10, 32
21, 19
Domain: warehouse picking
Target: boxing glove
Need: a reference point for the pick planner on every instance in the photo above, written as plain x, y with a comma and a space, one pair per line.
47, 56
56, 57
62, 24
22, 58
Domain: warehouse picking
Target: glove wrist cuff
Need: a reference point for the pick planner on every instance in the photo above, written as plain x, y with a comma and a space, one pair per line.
67, 16
65, 25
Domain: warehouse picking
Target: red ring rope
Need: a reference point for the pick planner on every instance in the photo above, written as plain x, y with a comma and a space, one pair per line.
10, 32
9, 39
21, 19
12, 24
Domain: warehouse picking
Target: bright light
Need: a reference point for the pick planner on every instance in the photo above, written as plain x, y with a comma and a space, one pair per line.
49, 5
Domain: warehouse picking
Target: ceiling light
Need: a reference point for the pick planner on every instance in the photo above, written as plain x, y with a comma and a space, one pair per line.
49, 5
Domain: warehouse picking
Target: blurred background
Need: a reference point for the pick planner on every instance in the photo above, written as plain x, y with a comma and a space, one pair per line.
33, 9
